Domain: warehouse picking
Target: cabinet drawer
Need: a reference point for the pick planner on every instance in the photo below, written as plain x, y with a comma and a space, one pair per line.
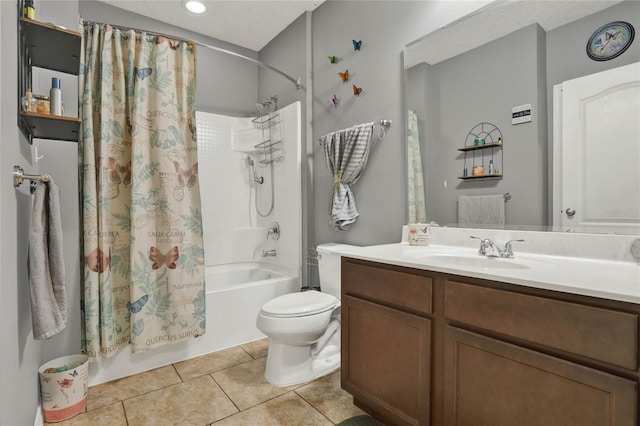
389, 286
600, 334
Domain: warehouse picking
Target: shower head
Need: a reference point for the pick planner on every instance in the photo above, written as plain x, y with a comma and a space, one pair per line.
269, 105
249, 160
274, 101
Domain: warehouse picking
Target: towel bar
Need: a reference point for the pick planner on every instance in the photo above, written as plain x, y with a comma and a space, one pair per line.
19, 176
384, 124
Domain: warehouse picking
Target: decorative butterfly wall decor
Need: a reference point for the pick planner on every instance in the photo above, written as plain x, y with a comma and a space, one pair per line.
98, 261
357, 44
344, 76
357, 90
136, 306
333, 102
332, 59
158, 259
142, 73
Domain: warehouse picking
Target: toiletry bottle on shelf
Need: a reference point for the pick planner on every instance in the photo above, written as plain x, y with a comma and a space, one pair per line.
29, 9
490, 167
56, 97
29, 100
499, 141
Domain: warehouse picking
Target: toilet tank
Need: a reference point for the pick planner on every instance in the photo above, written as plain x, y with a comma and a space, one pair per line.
329, 267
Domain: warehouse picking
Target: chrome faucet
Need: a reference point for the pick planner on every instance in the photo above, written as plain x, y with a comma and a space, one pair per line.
508, 249
266, 253
490, 249
274, 231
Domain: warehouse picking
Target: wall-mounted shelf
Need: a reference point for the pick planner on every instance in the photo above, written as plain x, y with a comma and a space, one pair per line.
48, 46
51, 47
480, 177
483, 143
45, 126
485, 146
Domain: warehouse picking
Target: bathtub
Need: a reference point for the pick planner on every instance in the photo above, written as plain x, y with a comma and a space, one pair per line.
235, 294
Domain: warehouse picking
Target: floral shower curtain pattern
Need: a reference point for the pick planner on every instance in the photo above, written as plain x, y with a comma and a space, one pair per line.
143, 255
416, 199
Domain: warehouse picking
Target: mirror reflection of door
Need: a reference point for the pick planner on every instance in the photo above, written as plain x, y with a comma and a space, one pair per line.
597, 138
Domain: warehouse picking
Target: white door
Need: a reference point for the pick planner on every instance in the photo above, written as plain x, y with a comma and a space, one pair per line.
597, 152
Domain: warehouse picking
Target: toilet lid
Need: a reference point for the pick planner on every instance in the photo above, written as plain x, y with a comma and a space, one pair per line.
300, 304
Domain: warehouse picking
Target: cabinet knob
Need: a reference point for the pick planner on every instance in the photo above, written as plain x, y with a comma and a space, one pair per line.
570, 212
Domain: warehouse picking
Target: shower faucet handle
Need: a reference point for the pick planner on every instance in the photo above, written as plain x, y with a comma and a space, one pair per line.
274, 231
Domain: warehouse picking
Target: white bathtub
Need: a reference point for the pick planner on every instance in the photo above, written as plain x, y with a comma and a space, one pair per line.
235, 294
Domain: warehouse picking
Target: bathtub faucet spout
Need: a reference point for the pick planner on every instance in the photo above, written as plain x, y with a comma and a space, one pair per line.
266, 253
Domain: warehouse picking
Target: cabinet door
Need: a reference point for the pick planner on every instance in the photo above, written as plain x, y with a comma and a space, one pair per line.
386, 360
493, 383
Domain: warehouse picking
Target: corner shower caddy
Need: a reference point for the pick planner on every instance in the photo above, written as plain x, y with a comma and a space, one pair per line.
271, 148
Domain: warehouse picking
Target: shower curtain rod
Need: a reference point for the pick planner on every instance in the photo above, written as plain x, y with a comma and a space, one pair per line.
296, 82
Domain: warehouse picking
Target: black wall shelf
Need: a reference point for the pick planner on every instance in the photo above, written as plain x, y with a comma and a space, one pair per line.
47, 46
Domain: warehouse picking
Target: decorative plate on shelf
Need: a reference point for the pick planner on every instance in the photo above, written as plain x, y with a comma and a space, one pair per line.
610, 41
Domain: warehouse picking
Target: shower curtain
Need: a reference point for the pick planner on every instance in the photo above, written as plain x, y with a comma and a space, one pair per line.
143, 255
415, 181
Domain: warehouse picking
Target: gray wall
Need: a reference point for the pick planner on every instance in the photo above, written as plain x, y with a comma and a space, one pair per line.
385, 28
288, 53
483, 85
21, 355
567, 58
226, 85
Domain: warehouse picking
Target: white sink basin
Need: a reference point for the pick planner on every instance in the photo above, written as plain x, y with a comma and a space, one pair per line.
475, 261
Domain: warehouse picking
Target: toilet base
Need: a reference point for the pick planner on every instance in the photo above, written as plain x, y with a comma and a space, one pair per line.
291, 365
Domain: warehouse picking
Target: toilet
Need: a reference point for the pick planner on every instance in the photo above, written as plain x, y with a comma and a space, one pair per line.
304, 327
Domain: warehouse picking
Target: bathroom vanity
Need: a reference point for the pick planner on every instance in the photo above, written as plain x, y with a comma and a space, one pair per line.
442, 339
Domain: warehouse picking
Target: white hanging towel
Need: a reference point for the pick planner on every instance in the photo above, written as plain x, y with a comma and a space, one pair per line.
46, 263
481, 210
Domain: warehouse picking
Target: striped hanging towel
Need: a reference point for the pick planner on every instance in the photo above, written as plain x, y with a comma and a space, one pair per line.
346, 153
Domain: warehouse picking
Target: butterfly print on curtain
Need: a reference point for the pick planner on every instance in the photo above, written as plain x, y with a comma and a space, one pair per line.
158, 259
188, 178
98, 261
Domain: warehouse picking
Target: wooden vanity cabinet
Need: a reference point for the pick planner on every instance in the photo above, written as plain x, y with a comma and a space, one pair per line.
386, 343
473, 352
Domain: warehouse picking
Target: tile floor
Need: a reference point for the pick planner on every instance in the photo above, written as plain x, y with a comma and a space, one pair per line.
222, 388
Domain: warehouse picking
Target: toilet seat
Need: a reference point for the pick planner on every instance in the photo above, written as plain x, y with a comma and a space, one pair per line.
299, 304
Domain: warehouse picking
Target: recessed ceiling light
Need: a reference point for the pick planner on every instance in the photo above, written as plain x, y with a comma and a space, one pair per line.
195, 6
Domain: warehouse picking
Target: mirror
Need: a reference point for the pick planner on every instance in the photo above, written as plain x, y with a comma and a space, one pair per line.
499, 66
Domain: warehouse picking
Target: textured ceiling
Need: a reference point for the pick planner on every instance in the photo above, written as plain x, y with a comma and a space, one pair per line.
251, 24
497, 20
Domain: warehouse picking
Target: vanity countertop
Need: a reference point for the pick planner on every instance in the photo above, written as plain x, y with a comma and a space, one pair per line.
615, 280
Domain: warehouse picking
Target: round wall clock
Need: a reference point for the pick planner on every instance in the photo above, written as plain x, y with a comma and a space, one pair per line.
610, 41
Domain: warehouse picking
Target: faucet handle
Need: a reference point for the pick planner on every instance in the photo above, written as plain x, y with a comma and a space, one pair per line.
274, 231
508, 249
484, 242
